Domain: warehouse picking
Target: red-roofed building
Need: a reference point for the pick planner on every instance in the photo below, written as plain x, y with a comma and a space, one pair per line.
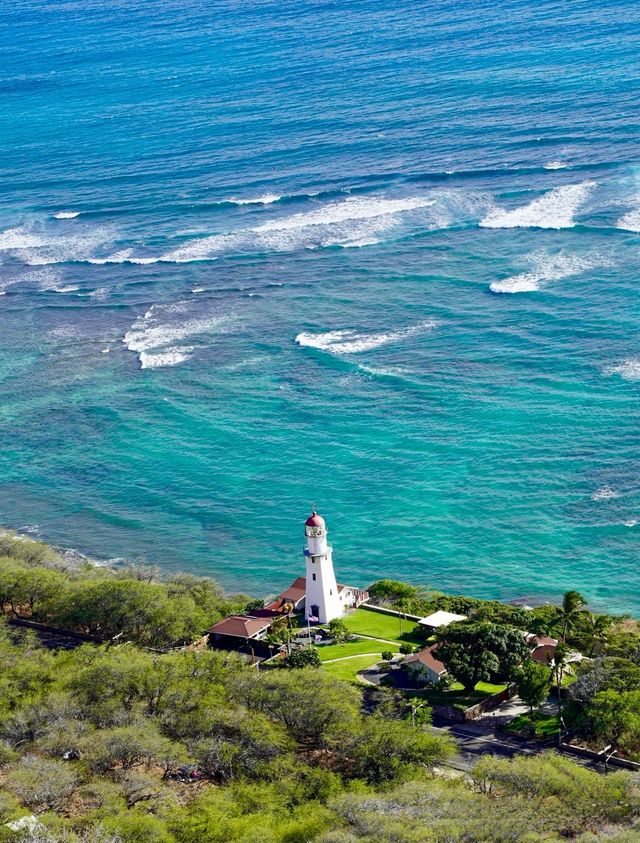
241, 626
425, 665
542, 647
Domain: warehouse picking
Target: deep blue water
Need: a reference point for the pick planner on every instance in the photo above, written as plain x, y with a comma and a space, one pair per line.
383, 257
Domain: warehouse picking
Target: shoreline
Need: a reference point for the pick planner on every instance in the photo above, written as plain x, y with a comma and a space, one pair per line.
75, 560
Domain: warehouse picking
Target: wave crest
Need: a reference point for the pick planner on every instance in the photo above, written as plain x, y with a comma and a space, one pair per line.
349, 341
547, 268
555, 209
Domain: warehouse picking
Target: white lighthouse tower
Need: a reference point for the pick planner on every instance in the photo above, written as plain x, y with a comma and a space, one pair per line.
322, 598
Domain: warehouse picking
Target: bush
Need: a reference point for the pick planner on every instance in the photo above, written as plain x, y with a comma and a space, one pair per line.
303, 657
387, 655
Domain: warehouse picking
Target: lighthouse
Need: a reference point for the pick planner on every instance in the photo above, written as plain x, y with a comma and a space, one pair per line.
322, 601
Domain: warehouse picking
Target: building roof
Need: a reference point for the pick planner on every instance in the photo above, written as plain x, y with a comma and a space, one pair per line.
314, 520
295, 592
441, 618
544, 654
427, 658
240, 626
534, 640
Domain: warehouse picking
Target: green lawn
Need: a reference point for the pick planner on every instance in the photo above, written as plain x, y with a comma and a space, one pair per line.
356, 647
539, 724
364, 622
348, 668
456, 695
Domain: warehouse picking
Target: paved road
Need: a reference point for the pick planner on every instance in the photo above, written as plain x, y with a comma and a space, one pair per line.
474, 741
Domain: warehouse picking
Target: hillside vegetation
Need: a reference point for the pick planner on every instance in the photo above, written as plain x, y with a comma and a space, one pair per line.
114, 743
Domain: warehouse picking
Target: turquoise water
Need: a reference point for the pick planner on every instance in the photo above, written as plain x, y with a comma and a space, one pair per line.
383, 257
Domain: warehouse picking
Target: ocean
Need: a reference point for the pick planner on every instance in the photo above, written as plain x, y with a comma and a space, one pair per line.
383, 258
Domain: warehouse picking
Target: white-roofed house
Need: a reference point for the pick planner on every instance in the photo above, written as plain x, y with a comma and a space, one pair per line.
440, 618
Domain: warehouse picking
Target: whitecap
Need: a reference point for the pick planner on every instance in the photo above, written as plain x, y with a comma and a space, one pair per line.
351, 342
555, 165
66, 215
167, 357
628, 369
547, 268
267, 199
343, 221
630, 221
198, 289
35, 246
555, 209
162, 326
605, 493
67, 288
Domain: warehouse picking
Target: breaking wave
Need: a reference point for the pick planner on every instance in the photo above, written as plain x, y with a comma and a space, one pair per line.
66, 215
267, 199
351, 342
628, 369
153, 335
343, 222
38, 247
555, 209
630, 221
547, 268
605, 493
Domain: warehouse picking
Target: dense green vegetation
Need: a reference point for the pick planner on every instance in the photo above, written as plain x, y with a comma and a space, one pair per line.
35, 583
119, 743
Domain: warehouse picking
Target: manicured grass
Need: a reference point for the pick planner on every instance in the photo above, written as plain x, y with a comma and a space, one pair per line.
364, 622
456, 695
356, 647
348, 669
540, 724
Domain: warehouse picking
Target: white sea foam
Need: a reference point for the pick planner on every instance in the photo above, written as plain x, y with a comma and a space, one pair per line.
67, 215
555, 165
547, 268
36, 246
123, 256
267, 199
555, 209
628, 369
630, 221
344, 221
167, 357
351, 342
605, 493
154, 335
67, 288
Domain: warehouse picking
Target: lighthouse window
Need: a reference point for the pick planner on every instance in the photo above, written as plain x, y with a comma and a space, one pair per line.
314, 577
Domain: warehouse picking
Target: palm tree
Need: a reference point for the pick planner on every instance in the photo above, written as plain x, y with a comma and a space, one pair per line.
596, 633
573, 604
560, 662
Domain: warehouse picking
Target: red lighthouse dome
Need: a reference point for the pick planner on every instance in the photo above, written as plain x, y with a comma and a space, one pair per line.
314, 520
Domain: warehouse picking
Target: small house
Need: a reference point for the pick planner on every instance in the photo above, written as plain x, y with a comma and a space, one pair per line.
424, 666
440, 618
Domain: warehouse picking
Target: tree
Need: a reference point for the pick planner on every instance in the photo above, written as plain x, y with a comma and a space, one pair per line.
406, 649
390, 750
316, 709
478, 652
338, 630
40, 783
303, 657
615, 717
592, 632
534, 682
573, 604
